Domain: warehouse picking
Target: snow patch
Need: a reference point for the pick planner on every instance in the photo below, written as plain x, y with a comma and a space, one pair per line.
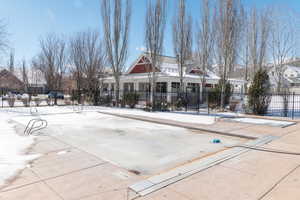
187, 118
12, 151
61, 152
264, 122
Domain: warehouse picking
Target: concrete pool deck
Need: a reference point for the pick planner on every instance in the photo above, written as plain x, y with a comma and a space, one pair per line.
68, 172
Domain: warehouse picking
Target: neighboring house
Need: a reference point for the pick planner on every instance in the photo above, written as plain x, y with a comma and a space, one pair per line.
13, 81
8, 80
136, 78
291, 78
35, 81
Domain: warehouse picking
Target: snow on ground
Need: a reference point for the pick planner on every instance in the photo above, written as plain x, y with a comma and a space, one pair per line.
263, 122
12, 150
181, 117
175, 116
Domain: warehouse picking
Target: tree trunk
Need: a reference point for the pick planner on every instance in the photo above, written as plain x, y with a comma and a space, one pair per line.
117, 92
153, 90
222, 95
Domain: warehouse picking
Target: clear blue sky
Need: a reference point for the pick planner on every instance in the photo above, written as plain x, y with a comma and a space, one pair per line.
29, 20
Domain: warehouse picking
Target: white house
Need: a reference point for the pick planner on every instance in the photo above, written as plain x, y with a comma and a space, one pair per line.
136, 78
291, 77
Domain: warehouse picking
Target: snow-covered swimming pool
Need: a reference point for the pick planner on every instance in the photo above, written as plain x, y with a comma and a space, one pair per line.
135, 145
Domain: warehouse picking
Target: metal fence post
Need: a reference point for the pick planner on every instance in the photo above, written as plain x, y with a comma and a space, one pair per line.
198, 99
186, 101
2, 96
207, 100
293, 110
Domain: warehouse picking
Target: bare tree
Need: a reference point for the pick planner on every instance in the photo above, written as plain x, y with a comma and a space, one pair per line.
95, 59
3, 36
255, 37
77, 59
155, 26
259, 37
205, 41
24, 72
11, 63
87, 58
282, 46
116, 23
182, 38
52, 60
228, 22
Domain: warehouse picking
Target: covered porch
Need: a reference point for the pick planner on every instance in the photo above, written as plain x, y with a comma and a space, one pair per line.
167, 88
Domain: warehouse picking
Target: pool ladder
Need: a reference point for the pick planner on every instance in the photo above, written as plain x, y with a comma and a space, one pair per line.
35, 125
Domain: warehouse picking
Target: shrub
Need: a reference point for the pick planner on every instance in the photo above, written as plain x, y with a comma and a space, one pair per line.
259, 98
25, 101
37, 101
106, 100
49, 101
76, 96
214, 96
180, 102
162, 106
11, 101
148, 106
67, 101
131, 99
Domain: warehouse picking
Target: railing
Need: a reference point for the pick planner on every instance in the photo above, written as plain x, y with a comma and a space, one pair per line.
190, 100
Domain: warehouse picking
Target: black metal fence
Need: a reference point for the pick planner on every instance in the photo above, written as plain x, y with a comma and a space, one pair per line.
191, 100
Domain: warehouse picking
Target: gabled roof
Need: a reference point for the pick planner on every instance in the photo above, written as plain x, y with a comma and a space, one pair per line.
6, 73
168, 67
166, 61
9, 80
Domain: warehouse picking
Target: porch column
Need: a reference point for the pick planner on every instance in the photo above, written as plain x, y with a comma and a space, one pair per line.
136, 86
169, 91
201, 100
121, 89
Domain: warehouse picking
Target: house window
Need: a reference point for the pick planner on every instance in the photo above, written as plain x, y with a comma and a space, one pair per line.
144, 87
207, 85
128, 87
175, 86
161, 87
192, 87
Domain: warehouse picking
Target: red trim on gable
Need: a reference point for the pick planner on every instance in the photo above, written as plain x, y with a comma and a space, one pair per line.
142, 68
